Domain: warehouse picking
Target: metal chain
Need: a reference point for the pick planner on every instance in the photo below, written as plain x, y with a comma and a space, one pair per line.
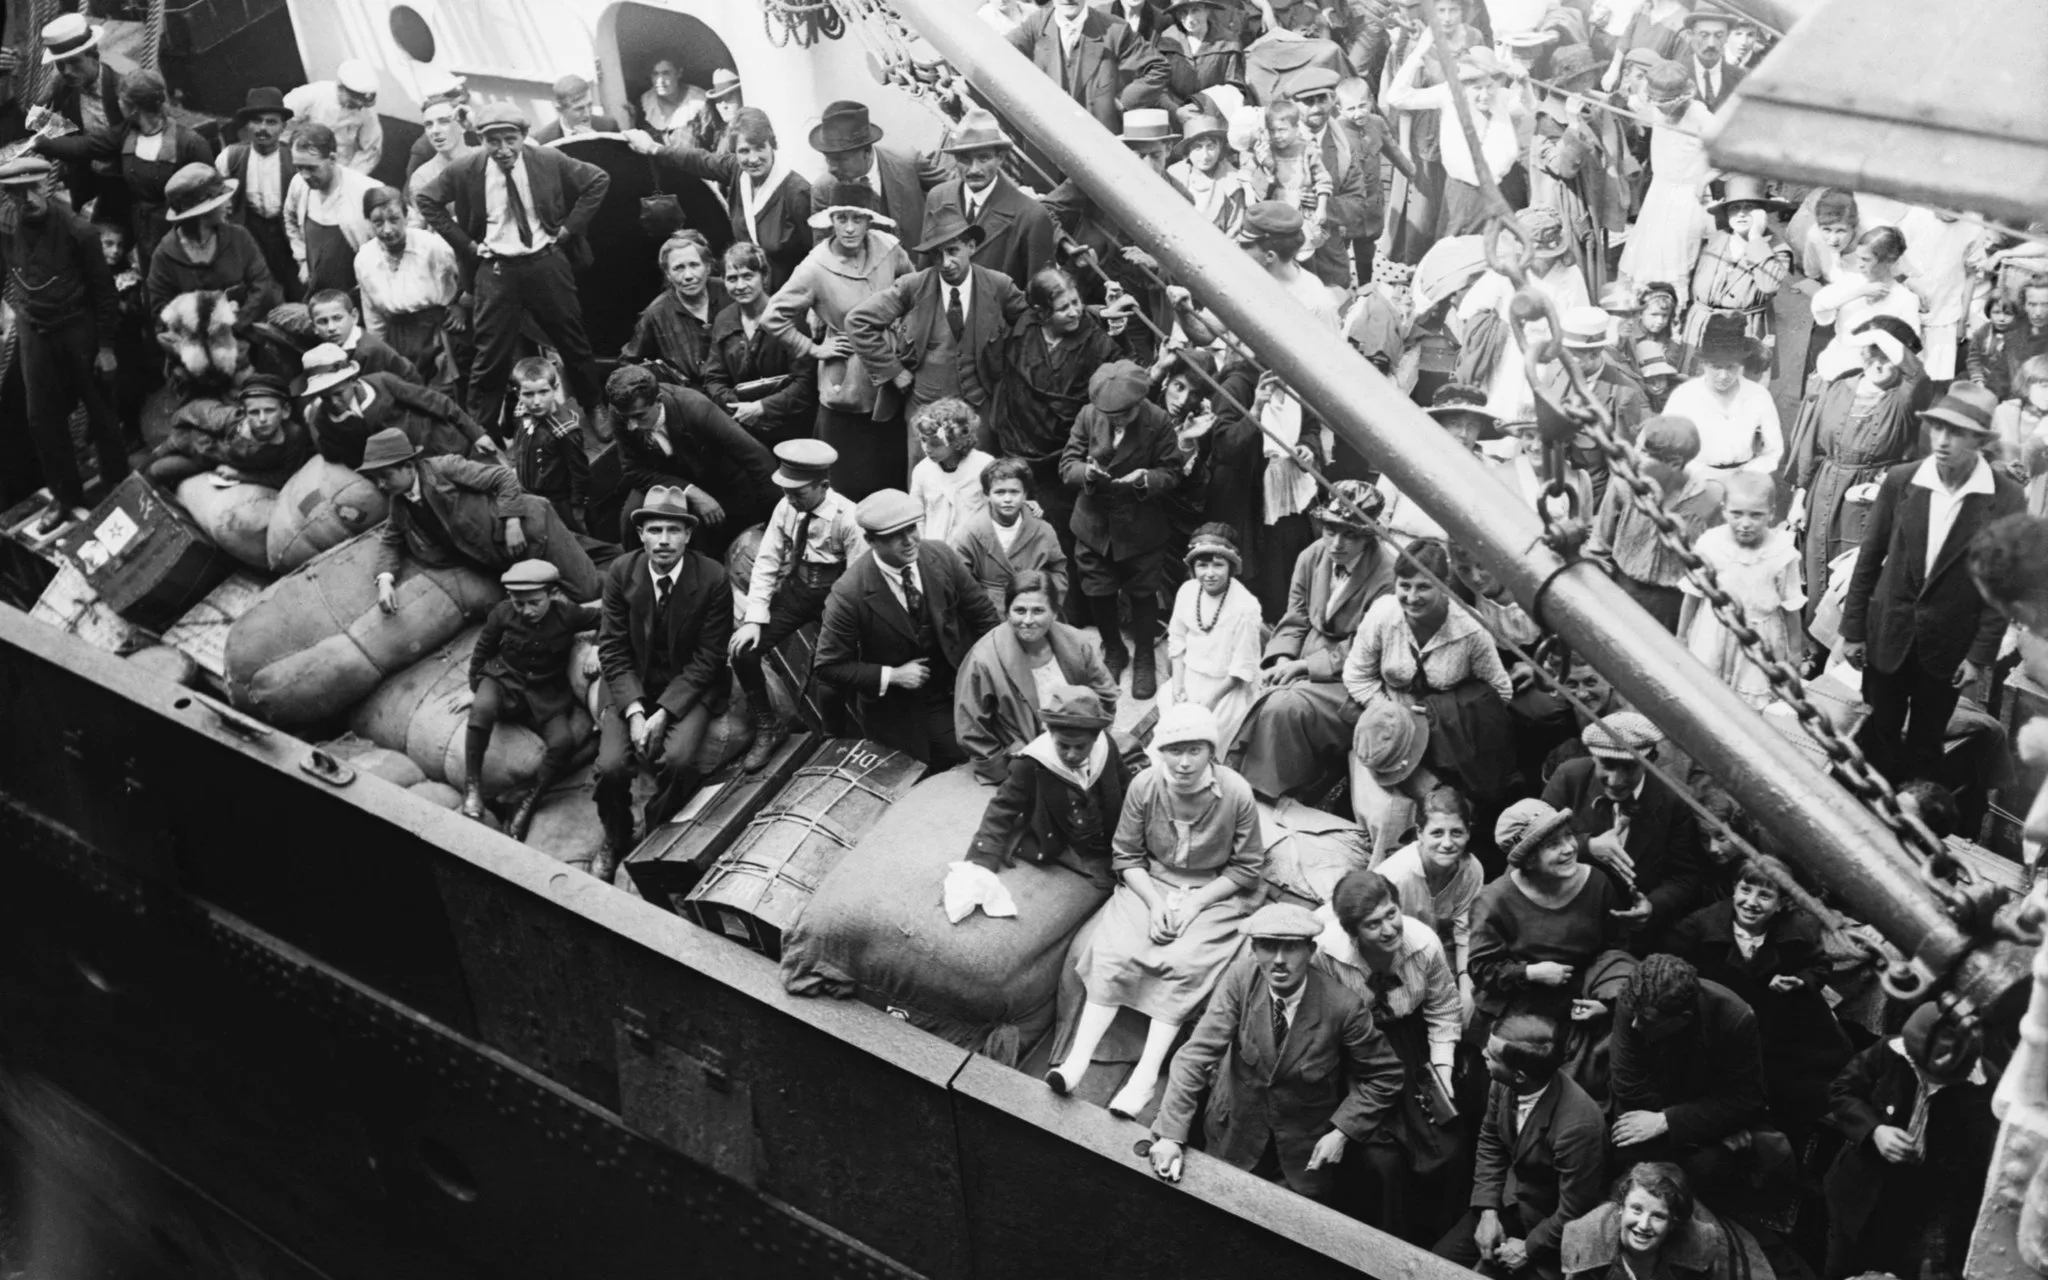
1939, 869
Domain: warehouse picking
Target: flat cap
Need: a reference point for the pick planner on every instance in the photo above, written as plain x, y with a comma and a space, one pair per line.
1073, 707
1117, 386
500, 115
530, 575
260, 385
1621, 736
802, 462
888, 510
1311, 80
1265, 219
1281, 920
25, 171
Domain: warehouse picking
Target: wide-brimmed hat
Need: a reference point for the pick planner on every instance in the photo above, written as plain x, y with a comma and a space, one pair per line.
665, 502
844, 127
887, 511
530, 575
1391, 739
1621, 735
1203, 126
1526, 826
66, 36
725, 82
1210, 544
1147, 124
1285, 921
1575, 66
849, 197
1585, 328
1740, 188
802, 462
263, 101
1479, 63
326, 367
1724, 341
946, 226
1968, 405
1070, 706
387, 448
1454, 399
1350, 504
196, 189
1185, 722
977, 130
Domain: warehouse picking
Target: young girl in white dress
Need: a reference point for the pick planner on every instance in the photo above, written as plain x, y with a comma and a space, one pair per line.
1759, 565
1213, 638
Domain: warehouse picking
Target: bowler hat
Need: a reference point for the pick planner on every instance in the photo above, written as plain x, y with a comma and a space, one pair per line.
387, 448
977, 130
1073, 707
1968, 405
802, 462
1740, 188
263, 101
196, 189
327, 366
725, 82
1525, 826
530, 575
665, 502
946, 226
1282, 920
25, 171
66, 36
1621, 735
1390, 740
844, 127
887, 511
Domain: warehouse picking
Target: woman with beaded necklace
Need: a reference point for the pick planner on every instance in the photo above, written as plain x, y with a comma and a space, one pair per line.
1213, 637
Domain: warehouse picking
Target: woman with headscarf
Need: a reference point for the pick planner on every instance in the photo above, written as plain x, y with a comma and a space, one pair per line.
856, 261
150, 146
1667, 235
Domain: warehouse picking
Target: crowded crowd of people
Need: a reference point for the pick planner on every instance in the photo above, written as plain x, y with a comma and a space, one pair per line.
1566, 1012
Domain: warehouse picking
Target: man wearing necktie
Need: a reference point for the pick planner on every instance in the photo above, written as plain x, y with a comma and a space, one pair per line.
1019, 238
662, 644
938, 333
515, 214
1707, 30
897, 626
1299, 1070
1095, 58
851, 144
1633, 824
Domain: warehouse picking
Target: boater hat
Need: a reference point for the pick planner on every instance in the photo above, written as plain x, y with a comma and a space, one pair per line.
665, 502
1585, 328
387, 448
1147, 124
327, 367
67, 36
802, 462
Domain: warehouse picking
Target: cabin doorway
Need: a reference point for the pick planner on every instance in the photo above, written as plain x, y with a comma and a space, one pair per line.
631, 38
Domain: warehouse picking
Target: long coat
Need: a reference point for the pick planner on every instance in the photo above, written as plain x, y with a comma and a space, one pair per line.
237, 269
1543, 1173
1037, 547
826, 288
995, 701
1664, 838
1021, 238
893, 329
1833, 451
866, 628
1114, 72
1116, 519
784, 219
566, 195
687, 643
1335, 1070
1897, 607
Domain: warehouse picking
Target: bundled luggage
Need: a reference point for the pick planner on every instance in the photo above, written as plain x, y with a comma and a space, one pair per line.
323, 505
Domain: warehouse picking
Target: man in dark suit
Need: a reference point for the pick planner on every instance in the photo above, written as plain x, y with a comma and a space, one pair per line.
1706, 32
851, 145
897, 626
938, 333
680, 437
1018, 235
515, 214
1632, 823
261, 167
575, 115
1542, 1154
451, 511
662, 644
1914, 622
1098, 60
85, 90
1298, 1070
1345, 157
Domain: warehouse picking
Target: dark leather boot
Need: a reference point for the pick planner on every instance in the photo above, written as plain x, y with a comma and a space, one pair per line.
1114, 655
473, 800
1145, 635
769, 734
522, 817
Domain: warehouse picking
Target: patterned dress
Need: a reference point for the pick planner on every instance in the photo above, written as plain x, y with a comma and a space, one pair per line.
1739, 277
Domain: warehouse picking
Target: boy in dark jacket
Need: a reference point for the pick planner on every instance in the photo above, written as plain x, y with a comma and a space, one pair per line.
519, 672
547, 448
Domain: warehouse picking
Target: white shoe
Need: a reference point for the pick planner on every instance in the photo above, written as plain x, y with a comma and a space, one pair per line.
1060, 1082
1131, 1099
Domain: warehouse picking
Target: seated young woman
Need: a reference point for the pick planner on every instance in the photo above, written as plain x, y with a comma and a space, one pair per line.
1190, 861
1063, 795
1010, 674
1438, 879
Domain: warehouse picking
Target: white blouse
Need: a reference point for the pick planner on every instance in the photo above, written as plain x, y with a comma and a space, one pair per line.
425, 275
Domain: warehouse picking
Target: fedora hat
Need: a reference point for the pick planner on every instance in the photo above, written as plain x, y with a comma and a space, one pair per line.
67, 36
849, 197
1740, 188
327, 367
387, 448
844, 127
1968, 405
1390, 740
1072, 707
196, 189
725, 82
946, 226
1147, 124
977, 129
665, 502
263, 101
1725, 341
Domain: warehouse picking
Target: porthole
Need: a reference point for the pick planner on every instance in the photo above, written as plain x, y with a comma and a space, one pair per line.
412, 33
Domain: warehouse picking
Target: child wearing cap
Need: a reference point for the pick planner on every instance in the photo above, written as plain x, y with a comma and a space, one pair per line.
1009, 537
547, 446
947, 481
519, 672
1213, 638
809, 539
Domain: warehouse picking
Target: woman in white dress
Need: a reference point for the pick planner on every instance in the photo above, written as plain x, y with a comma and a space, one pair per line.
1666, 238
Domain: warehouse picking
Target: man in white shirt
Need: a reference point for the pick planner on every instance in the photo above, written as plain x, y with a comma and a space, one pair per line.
346, 104
1497, 116
262, 168
323, 211
1707, 30
1914, 622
